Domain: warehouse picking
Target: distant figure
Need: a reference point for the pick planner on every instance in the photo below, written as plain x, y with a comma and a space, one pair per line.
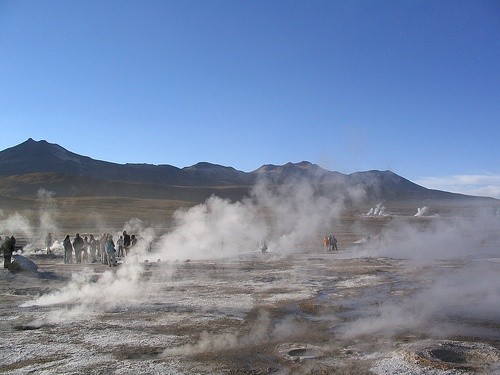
133, 240
7, 250
126, 242
93, 248
85, 254
333, 243
102, 247
110, 251
78, 247
326, 243
120, 244
263, 246
48, 243
68, 250
98, 248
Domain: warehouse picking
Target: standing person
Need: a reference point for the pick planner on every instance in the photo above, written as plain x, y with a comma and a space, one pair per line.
133, 241
78, 246
263, 246
68, 250
48, 243
326, 243
126, 242
333, 242
7, 250
98, 249
93, 248
120, 244
85, 255
110, 251
102, 245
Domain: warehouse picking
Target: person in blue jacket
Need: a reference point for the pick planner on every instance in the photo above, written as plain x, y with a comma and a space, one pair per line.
110, 250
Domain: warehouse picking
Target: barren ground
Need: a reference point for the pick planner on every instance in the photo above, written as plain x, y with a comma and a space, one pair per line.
286, 312
257, 314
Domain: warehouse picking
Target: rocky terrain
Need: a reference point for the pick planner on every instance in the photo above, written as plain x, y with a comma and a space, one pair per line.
373, 307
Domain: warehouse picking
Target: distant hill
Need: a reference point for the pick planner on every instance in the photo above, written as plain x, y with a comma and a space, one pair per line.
43, 157
31, 165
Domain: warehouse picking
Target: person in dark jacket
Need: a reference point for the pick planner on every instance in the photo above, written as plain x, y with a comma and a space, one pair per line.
102, 244
48, 243
93, 245
333, 243
126, 243
68, 250
7, 250
78, 247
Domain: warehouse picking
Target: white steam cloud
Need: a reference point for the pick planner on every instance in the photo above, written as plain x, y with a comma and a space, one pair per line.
459, 301
81, 296
289, 217
378, 210
422, 211
48, 213
286, 217
260, 331
441, 239
454, 263
15, 224
18, 225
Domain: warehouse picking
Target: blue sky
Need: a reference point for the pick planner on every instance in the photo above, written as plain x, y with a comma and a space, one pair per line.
410, 86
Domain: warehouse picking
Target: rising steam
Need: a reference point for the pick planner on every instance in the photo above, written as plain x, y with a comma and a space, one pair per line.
285, 216
456, 261
288, 217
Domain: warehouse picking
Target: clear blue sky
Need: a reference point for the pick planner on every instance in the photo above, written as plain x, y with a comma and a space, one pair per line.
410, 86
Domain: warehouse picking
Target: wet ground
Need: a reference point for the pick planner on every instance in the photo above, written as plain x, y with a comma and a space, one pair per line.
257, 314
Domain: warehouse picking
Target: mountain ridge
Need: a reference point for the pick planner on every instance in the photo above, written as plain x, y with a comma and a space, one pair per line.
42, 157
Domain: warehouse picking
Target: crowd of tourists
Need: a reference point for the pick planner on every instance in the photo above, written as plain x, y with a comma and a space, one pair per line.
105, 250
92, 250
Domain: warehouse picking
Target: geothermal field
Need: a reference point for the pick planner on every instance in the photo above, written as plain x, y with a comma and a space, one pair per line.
404, 294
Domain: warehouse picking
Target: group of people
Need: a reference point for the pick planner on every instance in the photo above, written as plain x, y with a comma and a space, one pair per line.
91, 249
8, 247
330, 243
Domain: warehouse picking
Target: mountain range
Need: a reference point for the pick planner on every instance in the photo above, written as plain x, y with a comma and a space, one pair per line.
32, 165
